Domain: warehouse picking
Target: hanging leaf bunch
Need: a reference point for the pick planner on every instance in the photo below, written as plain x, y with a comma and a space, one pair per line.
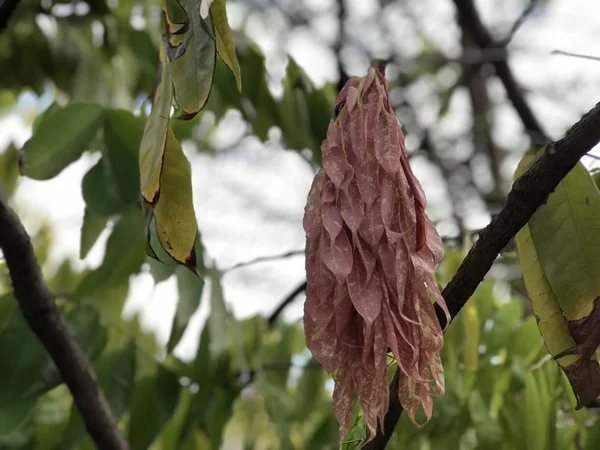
371, 254
195, 33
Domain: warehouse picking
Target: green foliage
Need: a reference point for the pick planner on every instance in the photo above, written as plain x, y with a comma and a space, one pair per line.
248, 379
52, 147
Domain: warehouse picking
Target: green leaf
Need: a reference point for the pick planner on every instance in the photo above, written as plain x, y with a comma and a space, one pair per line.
505, 323
219, 316
279, 405
593, 439
293, 110
154, 138
278, 346
44, 116
190, 292
116, 375
526, 342
100, 193
154, 400
21, 361
160, 271
224, 36
122, 135
170, 435
470, 321
9, 171
263, 112
533, 415
174, 212
191, 51
60, 139
91, 229
124, 256
176, 17
211, 409
310, 390
15, 412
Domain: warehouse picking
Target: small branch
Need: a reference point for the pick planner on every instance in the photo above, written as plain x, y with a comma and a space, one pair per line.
262, 259
428, 148
43, 316
285, 303
528, 193
575, 55
589, 155
342, 15
7, 8
520, 21
469, 21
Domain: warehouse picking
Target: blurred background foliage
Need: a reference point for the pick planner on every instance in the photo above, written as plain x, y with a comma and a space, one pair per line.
251, 383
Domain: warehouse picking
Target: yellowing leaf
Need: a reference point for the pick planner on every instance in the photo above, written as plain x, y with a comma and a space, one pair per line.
224, 37
568, 225
559, 251
552, 324
174, 212
155, 133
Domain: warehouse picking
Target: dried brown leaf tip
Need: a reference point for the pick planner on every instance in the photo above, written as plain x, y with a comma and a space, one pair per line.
371, 255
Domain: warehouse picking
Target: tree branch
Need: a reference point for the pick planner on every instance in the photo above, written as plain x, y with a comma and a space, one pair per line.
262, 259
7, 8
470, 22
575, 55
520, 21
528, 193
285, 303
342, 16
43, 316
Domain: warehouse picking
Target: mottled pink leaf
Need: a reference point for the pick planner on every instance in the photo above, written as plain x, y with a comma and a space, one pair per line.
371, 255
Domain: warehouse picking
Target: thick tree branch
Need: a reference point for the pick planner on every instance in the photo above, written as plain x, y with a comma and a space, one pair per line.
38, 307
528, 193
470, 22
7, 8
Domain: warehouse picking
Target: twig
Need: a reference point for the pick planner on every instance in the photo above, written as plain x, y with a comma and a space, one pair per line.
284, 303
469, 21
475, 80
520, 21
43, 316
589, 155
7, 8
262, 259
528, 193
342, 15
576, 55
428, 148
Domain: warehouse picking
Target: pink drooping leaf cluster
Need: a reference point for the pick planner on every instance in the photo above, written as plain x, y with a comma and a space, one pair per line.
371, 254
